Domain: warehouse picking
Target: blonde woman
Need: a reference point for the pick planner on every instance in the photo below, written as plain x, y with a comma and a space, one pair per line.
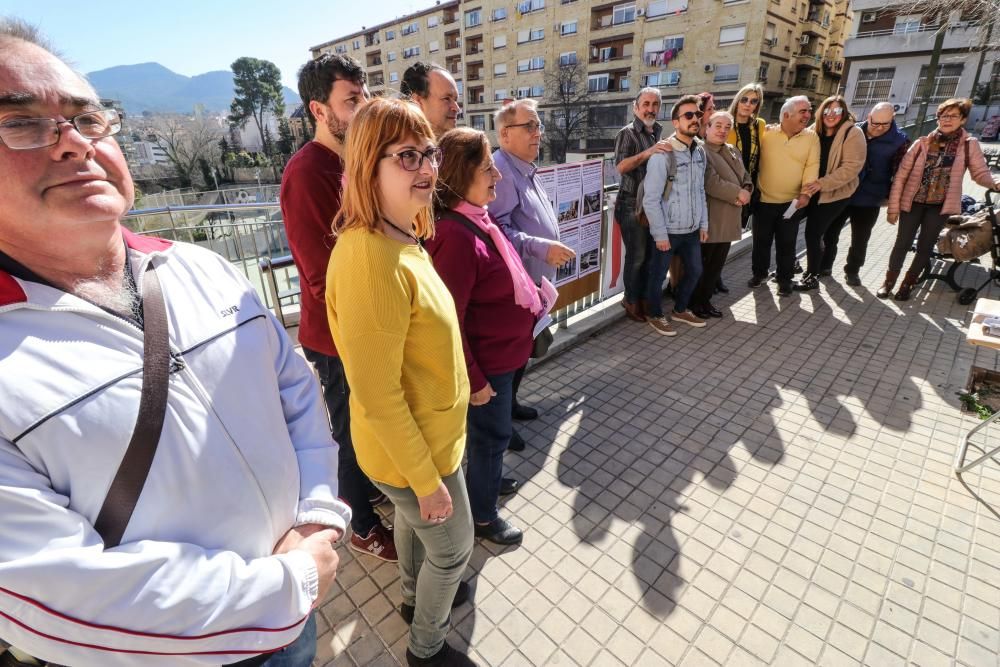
394, 324
748, 127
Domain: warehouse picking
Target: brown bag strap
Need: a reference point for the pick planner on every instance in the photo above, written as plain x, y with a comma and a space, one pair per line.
135, 464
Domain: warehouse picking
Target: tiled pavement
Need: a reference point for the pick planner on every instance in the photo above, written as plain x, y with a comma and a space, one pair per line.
773, 489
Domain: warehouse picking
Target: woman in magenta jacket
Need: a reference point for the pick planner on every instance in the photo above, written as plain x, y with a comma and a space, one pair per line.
497, 303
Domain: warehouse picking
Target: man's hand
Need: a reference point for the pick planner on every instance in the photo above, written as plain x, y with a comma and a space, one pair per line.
483, 396
703, 235
436, 507
802, 202
663, 246
892, 218
558, 254
743, 198
316, 540
661, 146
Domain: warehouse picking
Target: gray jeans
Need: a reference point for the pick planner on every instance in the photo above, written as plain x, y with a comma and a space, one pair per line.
432, 559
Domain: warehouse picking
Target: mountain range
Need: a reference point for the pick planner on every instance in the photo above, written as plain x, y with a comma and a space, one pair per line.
153, 87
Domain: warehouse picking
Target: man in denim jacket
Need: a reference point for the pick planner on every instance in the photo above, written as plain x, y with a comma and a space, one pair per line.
679, 221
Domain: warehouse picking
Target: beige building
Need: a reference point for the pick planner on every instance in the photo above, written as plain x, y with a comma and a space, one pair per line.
502, 49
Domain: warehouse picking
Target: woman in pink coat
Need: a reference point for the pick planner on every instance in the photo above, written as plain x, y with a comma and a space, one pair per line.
928, 189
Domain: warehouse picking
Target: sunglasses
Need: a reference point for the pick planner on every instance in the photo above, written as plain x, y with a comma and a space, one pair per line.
833, 111
752, 101
412, 159
688, 115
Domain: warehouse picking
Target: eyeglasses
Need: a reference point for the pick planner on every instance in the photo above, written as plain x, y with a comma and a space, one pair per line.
833, 111
874, 124
531, 126
412, 159
22, 134
688, 115
752, 101
949, 116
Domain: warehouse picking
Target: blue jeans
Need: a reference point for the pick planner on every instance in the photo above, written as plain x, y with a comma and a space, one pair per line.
355, 487
638, 248
489, 431
688, 247
299, 653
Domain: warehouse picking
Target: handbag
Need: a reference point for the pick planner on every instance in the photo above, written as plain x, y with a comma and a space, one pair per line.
135, 464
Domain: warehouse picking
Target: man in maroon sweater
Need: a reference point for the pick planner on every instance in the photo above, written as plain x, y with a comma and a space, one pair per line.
332, 88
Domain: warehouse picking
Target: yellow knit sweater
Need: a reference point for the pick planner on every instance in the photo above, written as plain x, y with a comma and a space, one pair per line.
395, 327
786, 164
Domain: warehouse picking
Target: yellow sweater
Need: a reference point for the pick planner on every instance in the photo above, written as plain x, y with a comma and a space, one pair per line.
395, 327
786, 164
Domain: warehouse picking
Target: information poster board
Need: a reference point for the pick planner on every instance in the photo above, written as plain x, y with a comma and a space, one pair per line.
576, 192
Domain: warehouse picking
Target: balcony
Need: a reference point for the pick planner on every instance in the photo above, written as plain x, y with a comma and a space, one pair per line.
454, 64
833, 68
373, 60
808, 60
474, 73
608, 51
371, 39
894, 41
612, 17
476, 95
813, 25
450, 16
474, 45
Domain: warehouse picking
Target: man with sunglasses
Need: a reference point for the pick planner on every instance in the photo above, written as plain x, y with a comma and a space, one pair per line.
634, 145
789, 158
114, 348
887, 145
523, 211
674, 201
332, 88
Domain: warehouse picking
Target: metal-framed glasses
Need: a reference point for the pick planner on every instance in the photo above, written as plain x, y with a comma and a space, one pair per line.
949, 116
22, 134
531, 127
412, 159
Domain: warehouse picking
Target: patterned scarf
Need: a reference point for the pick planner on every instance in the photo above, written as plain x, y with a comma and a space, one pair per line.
941, 153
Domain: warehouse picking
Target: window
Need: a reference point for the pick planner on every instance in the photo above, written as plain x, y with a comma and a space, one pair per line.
432, 21
623, 14
409, 29
724, 73
500, 94
668, 78
411, 52
567, 28
340, 48
499, 41
597, 83
528, 6
390, 56
478, 121
945, 83
537, 91
567, 87
499, 14
529, 64
522, 92
390, 34
393, 77
873, 85
733, 34
906, 24
607, 116
771, 34
473, 18
500, 69
433, 46
357, 44
568, 58
658, 8
762, 72
533, 35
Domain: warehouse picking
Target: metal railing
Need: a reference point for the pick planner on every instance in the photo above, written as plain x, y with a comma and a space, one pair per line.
252, 237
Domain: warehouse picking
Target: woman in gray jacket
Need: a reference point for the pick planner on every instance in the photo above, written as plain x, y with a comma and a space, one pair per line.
727, 188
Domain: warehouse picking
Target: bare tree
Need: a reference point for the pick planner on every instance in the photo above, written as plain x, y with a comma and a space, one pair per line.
985, 13
570, 104
186, 142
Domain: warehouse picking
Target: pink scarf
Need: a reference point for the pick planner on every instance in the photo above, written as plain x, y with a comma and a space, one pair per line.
525, 291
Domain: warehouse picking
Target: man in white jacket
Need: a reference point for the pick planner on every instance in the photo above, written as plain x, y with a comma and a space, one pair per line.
230, 544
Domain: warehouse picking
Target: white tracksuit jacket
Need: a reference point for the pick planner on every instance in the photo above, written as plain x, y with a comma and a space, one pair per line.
245, 454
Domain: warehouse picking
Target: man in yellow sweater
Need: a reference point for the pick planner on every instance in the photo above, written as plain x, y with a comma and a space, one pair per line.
789, 158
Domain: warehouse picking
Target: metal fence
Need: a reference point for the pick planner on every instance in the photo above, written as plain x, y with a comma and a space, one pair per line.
252, 237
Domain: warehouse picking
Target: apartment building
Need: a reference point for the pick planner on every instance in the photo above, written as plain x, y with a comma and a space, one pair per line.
888, 56
506, 49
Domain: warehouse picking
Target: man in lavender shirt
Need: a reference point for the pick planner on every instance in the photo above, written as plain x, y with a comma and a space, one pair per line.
523, 211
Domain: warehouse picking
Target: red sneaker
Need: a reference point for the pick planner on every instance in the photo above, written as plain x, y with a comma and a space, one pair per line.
378, 543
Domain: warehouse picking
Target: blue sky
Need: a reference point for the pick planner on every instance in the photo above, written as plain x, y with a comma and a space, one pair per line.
191, 37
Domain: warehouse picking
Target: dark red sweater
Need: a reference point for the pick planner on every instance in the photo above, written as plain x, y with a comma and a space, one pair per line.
496, 332
310, 198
